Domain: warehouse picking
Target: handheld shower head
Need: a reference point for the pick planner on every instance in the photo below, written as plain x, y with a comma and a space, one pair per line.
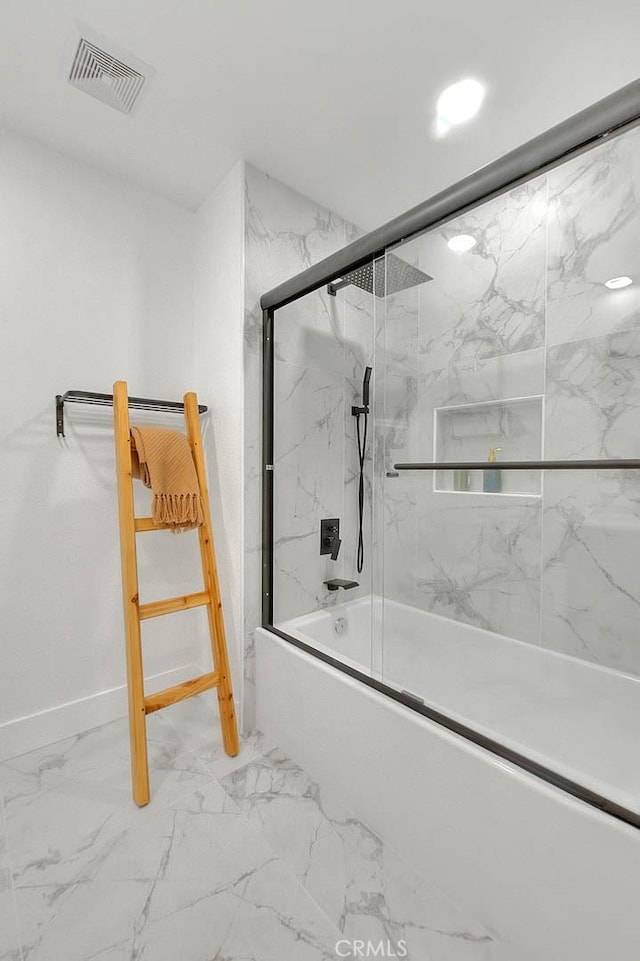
365, 386
356, 411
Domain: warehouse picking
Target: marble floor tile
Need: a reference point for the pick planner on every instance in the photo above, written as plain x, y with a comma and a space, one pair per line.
100, 757
195, 723
9, 938
185, 752
366, 890
175, 891
262, 914
283, 802
242, 859
177, 879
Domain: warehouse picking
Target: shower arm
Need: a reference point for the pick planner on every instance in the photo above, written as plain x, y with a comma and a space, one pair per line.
336, 285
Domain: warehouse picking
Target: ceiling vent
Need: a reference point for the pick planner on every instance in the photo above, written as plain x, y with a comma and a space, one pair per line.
108, 77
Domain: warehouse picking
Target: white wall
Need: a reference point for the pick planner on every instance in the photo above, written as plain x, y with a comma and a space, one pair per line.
218, 376
102, 281
97, 284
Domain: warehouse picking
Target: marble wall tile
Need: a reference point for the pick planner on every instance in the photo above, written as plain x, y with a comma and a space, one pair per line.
398, 417
308, 446
591, 603
284, 233
299, 576
310, 333
479, 563
437, 553
308, 484
591, 594
317, 476
481, 340
396, 437
593, 235
593, 397
521, 374
358, 310
490, 300
399, 538
401, 320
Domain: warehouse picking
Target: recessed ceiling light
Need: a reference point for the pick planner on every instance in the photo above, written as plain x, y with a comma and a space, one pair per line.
458, 103
462, 243
616, 282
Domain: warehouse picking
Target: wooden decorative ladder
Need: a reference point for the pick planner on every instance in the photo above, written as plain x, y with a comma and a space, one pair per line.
134, 612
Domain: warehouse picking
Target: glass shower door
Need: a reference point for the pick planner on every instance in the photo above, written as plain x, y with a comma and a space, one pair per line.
464, 378
510, 600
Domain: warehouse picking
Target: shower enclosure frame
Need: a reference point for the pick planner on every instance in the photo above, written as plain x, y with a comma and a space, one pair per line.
607, 117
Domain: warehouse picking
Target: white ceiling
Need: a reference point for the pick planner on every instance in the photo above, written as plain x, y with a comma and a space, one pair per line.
335, 97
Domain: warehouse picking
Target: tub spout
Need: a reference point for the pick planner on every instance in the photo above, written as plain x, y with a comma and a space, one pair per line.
338, 582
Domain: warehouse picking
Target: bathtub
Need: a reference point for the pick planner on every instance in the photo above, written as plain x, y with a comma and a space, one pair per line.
554, 877
574, 717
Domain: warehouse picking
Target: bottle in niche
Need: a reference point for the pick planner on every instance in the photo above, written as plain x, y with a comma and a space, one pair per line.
461, 480
492, 479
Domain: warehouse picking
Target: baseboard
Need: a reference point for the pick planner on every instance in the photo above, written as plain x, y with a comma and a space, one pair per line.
46, 727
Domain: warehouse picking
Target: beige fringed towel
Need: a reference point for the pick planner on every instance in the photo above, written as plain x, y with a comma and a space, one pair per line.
163, 461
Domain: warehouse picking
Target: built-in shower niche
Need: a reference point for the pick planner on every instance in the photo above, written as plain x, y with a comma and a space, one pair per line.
468, 432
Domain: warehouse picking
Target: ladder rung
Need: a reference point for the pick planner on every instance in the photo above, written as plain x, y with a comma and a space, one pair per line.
171, 695
172, 604
146, 524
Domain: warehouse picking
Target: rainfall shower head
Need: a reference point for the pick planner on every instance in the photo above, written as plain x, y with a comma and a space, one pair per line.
382, 278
